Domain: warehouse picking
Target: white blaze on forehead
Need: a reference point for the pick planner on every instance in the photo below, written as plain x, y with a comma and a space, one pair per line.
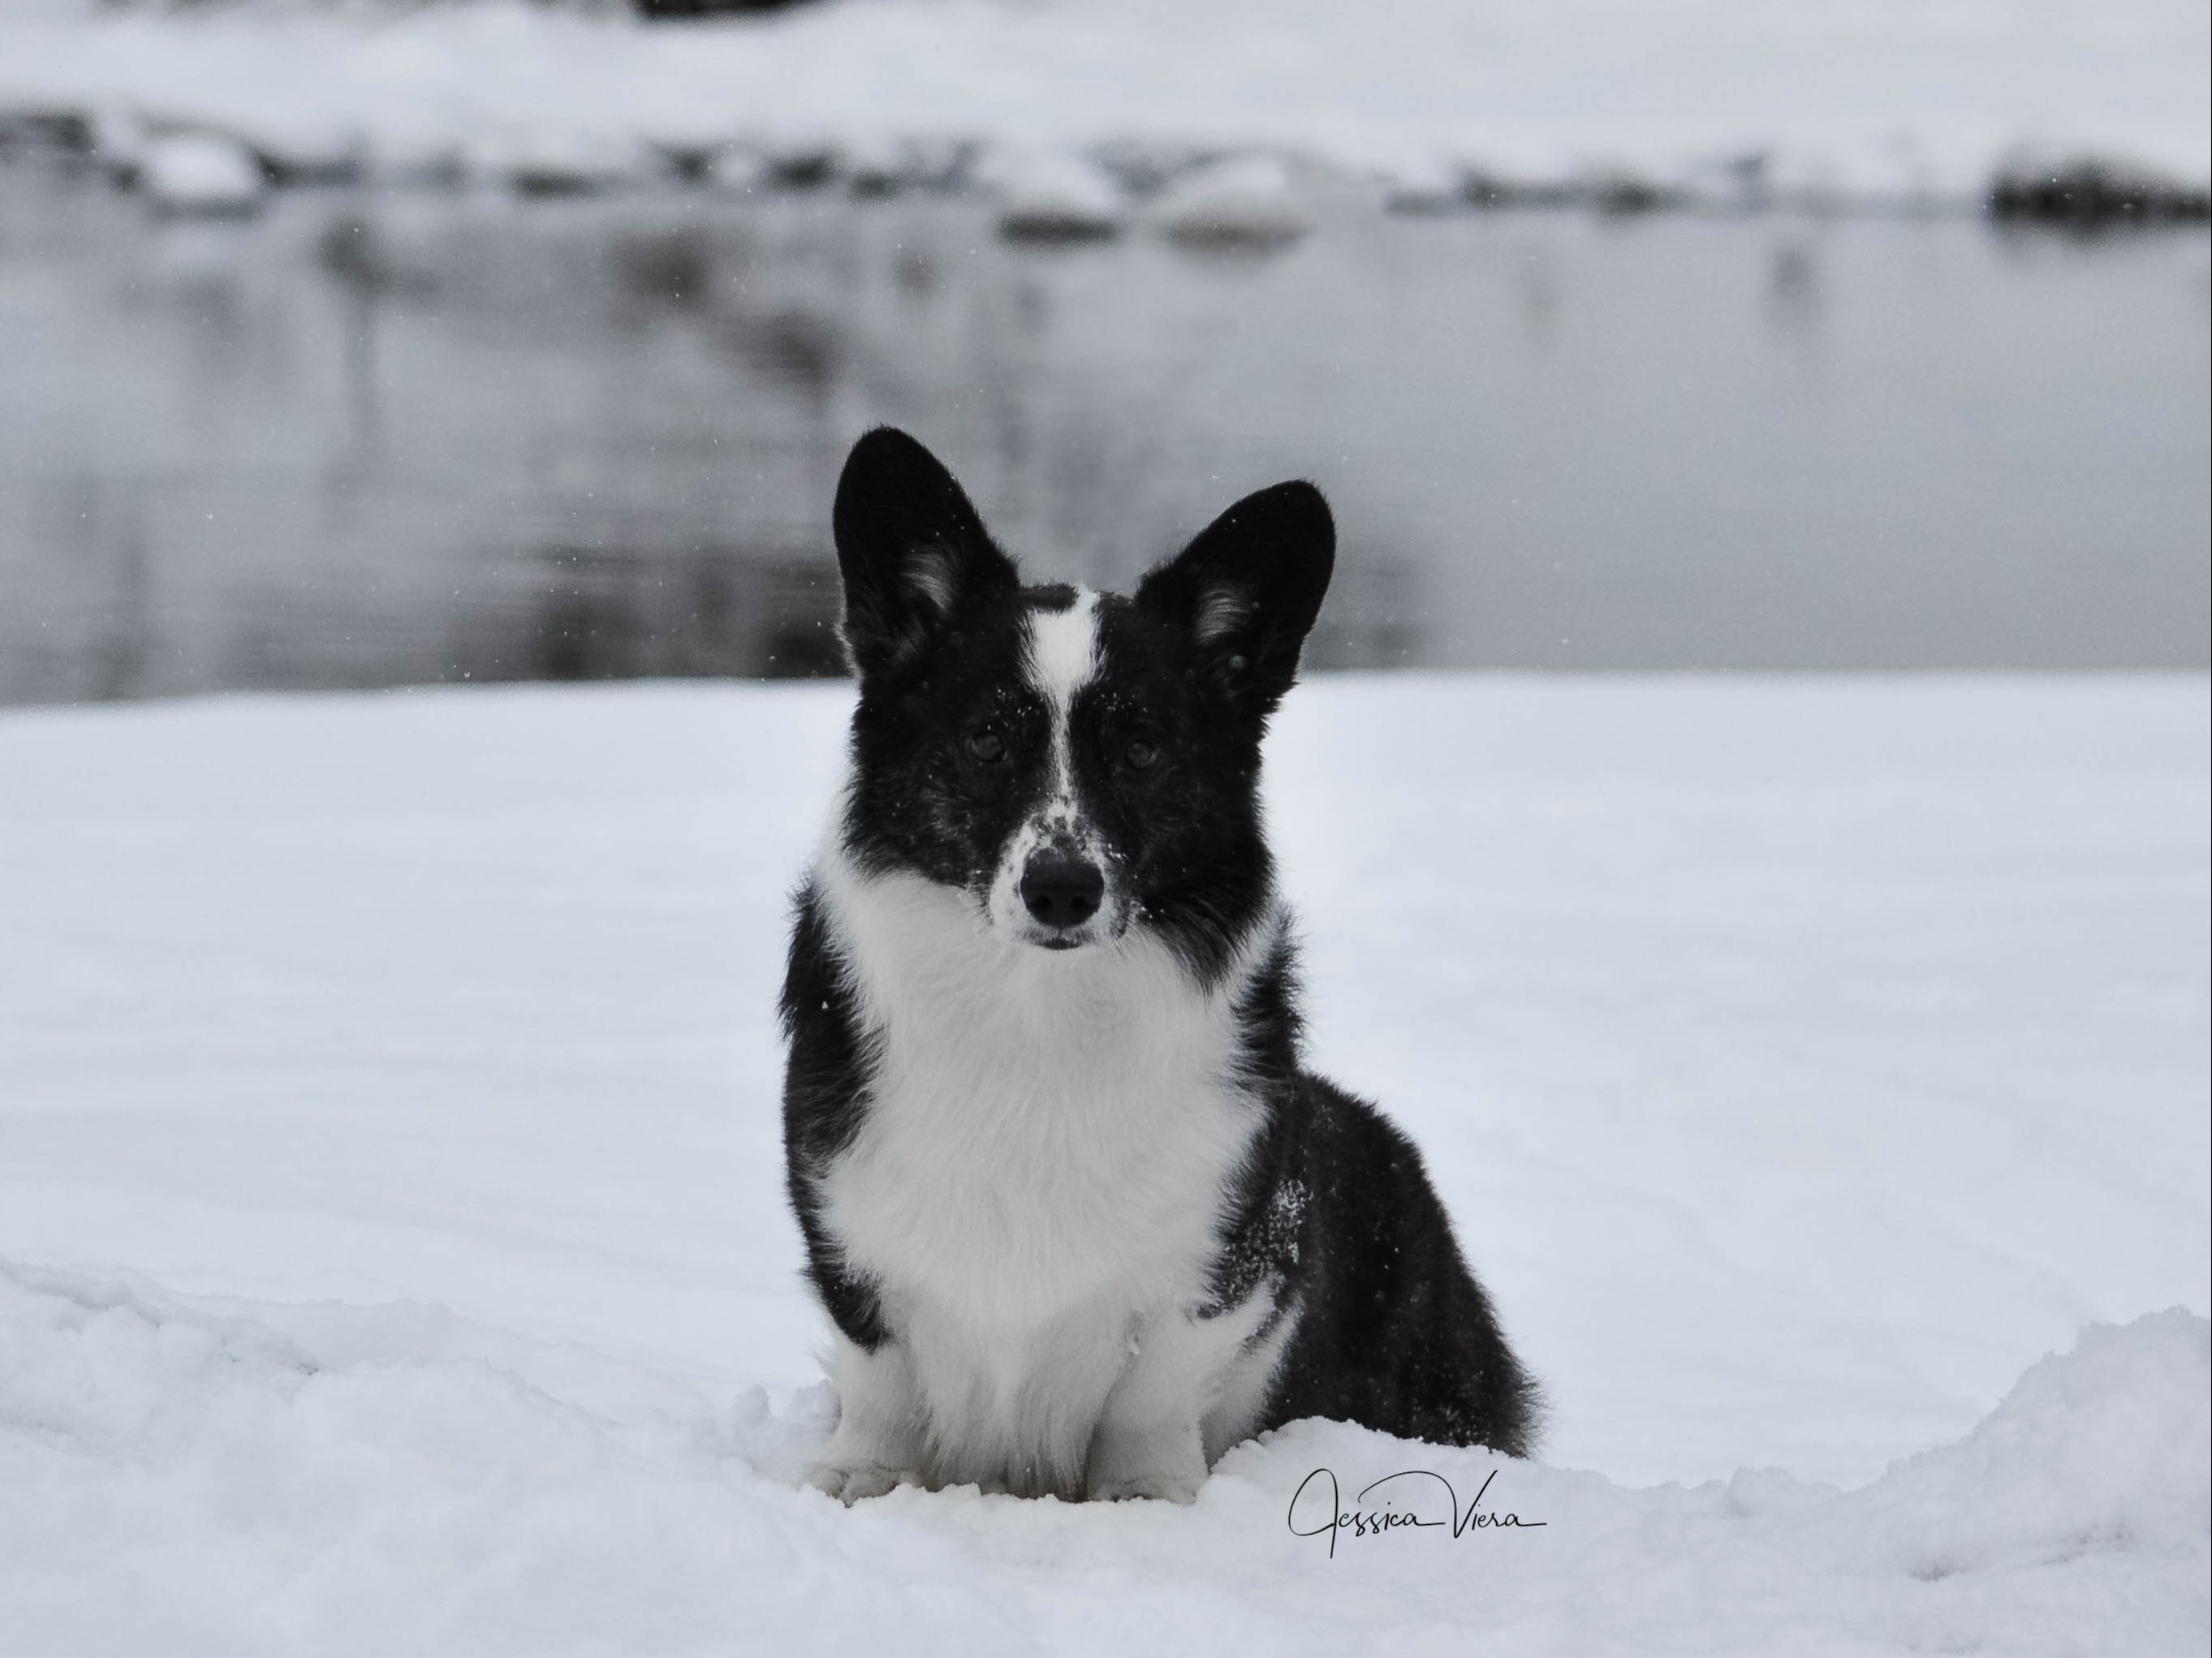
1064, 653
1063, 656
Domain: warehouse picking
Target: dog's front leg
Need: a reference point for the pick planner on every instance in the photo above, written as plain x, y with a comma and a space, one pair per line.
878, 1442
1147, 1441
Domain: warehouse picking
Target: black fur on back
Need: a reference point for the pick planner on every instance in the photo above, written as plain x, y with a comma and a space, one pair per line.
1332, 1205
826, 1087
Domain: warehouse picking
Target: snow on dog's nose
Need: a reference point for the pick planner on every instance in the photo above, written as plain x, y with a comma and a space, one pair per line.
1061, 891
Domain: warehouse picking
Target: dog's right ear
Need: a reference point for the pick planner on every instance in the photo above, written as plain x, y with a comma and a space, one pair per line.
911, 548
1247, 591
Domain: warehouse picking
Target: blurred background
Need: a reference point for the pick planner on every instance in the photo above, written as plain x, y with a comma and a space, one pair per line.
372, 343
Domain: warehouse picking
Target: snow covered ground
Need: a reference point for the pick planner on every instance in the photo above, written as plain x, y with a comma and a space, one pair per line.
395, 1259
1881, 98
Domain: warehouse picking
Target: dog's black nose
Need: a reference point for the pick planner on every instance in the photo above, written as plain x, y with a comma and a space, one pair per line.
1060, 890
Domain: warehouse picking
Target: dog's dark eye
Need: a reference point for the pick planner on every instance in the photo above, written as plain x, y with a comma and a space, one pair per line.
987, 746
1139, 754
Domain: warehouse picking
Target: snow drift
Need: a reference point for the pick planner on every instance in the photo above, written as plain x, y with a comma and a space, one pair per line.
176, 1479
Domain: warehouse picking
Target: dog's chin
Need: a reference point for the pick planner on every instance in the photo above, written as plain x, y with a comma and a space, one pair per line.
1059, 944
1024, 933
1068, 943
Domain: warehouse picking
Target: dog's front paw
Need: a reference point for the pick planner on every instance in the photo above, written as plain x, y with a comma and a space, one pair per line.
1163, 1487
854, 1484
1165, 1462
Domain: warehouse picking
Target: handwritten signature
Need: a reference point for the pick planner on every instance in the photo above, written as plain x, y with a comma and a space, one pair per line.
1362, 1520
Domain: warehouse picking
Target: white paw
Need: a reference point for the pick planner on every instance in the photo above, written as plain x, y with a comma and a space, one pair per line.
1163, 1487
1166, 1463
850, 1486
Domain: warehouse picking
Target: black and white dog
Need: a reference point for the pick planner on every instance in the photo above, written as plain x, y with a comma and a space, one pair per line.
1080, 1217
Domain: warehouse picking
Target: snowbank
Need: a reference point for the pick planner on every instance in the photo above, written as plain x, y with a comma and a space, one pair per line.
388, 1158
1875, 98
176, 1480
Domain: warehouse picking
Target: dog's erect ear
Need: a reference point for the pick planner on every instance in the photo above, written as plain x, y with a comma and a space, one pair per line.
1247, 589
911, 548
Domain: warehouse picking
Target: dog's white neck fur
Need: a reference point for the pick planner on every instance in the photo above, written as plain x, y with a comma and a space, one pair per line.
1036, 1187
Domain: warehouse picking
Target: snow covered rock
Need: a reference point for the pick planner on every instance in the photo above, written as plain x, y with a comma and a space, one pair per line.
802, 159
733, 170
2093, 194
1435, 184
879, 164
1052, 195
549, 158
199, 174
1247, 201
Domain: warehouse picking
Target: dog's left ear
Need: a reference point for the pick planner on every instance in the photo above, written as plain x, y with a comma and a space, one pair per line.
1246, 592
911, 548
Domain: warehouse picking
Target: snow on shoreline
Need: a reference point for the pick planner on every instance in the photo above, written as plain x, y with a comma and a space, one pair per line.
1876, 99
389, 1175
176, 1479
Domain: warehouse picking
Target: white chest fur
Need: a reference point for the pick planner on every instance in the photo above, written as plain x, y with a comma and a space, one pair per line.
1038, 1181
1043, 1128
